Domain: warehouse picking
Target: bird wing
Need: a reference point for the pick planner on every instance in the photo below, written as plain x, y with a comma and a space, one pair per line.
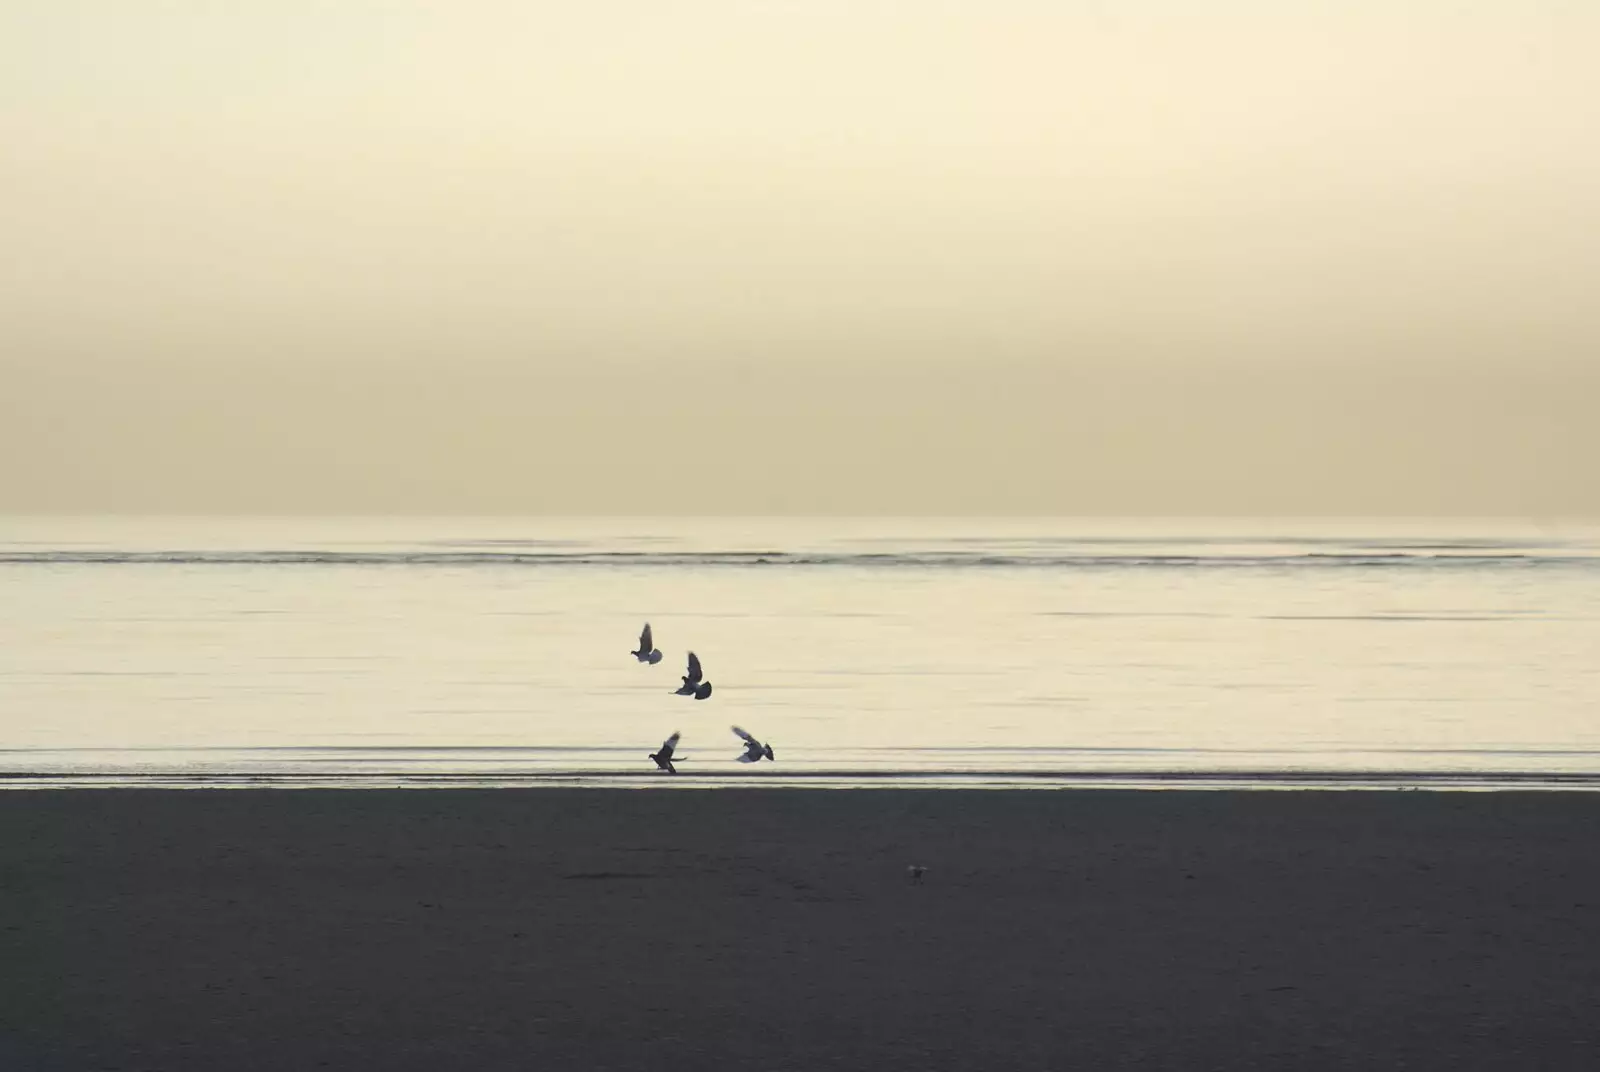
745, 757
668, 745
694, 673
743, 734
645, 643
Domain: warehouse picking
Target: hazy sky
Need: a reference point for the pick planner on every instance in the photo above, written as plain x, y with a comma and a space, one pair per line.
1148, 256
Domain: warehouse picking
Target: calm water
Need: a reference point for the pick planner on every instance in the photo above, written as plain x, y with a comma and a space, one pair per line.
947, 652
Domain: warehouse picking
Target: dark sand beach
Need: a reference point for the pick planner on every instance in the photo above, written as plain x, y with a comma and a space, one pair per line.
776, 929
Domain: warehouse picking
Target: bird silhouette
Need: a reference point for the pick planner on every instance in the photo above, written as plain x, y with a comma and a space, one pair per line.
693, 685
663, 758
754, 750
647, 652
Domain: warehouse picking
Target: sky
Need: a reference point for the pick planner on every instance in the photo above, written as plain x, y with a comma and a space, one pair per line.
733, 256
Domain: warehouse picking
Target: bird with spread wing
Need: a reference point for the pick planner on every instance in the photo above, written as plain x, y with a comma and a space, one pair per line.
693, 681
754, 750
647, 653
663, 758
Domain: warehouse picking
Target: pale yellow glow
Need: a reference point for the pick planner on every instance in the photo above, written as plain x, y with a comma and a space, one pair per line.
1148, 257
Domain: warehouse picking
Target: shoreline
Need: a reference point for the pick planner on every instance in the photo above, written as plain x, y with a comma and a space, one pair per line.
1166, 779
778, 928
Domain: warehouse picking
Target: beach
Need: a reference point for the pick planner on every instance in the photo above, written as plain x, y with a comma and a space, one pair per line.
780, 929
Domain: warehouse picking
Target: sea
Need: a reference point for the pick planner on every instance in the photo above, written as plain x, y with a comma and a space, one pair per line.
1047, 653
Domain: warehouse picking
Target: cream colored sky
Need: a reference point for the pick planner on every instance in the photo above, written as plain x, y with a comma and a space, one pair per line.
1137, 257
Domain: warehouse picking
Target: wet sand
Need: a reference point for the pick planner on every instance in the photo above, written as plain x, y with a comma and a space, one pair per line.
777, 929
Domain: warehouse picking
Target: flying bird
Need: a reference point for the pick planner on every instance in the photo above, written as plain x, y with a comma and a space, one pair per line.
754, 750
647, 652
663, 758
692, 683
